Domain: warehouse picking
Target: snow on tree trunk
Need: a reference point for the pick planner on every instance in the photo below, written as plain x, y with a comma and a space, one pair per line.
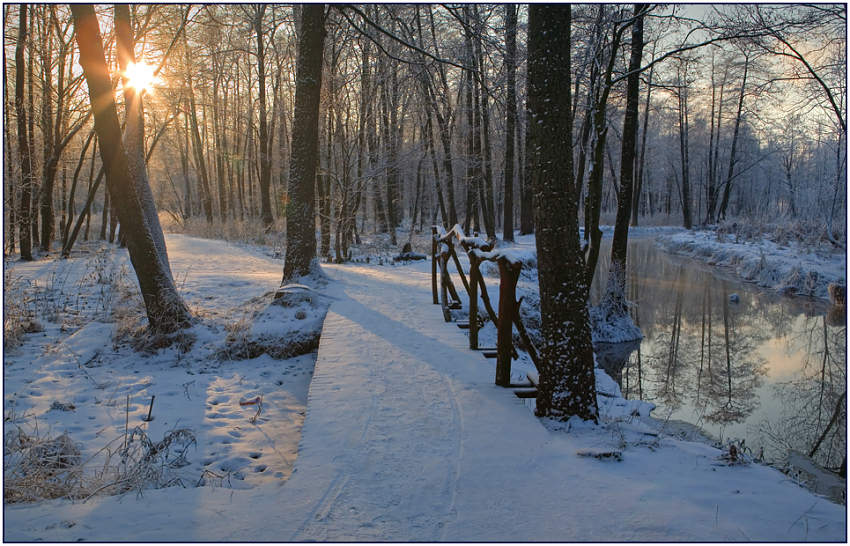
300, 218
567, 381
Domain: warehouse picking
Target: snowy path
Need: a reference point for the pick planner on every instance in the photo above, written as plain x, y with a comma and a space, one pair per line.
406, 438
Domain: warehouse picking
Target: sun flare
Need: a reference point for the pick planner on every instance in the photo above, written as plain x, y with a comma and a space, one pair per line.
140, 76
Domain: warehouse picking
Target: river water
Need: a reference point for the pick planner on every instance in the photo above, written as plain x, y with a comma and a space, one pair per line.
740, 362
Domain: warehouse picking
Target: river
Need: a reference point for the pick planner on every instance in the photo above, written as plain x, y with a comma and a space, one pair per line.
738, 361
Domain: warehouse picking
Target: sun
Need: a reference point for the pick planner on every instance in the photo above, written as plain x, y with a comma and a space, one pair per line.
140, 76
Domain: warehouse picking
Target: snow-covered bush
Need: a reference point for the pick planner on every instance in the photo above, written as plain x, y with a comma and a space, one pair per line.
18, 311
38, 468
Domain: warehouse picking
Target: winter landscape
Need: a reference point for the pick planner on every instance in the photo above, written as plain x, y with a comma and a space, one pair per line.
440, 273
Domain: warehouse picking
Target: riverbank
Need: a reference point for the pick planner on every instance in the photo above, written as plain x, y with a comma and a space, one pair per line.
790, 267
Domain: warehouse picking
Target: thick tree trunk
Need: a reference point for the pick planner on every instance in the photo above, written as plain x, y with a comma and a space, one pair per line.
11, 223
323, 183
567, 381
165, 309
49, 128
300, 222
32, 212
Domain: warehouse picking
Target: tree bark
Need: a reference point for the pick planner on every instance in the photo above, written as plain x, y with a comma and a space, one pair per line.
197, 147
593, 205
265, 161
619, 246
485, 178
510, 121
25, 236
300, 222
526, 193
682, 97
567, 380
636, 199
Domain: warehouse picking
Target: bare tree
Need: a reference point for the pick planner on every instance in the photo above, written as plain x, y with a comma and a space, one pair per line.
619, 246
165, 309
24, 142
510, 120
300, 220
567, 380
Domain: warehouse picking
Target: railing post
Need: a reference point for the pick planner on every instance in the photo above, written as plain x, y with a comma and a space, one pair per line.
473, 300
508, 277
459, 268
444, 278
434, 264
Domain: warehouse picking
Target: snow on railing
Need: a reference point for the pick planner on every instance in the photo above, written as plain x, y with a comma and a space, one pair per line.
510, 263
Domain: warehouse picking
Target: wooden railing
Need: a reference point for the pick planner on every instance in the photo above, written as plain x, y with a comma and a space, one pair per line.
478, 250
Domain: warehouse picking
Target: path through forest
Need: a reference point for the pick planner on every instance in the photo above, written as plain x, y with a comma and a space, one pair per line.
406, 438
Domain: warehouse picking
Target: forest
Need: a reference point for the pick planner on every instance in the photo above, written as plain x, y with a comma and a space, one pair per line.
246, 194
740, 115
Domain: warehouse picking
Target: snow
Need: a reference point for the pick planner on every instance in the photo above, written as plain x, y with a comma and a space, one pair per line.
105, 385
406, 437
789, 268
612, 328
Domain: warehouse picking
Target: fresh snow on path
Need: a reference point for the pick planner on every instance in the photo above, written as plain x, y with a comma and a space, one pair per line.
406, 438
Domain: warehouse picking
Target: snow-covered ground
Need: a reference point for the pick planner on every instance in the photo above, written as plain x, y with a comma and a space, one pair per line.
80, 375
406, 437
791, 268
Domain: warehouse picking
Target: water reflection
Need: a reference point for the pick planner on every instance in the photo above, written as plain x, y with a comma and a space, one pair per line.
735, 360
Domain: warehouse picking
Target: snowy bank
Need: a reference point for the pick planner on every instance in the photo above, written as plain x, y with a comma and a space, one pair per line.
790, 268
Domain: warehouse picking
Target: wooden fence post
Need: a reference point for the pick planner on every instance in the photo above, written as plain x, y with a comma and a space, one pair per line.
508, 277
459, 268
444, 282
473, 300
434, 263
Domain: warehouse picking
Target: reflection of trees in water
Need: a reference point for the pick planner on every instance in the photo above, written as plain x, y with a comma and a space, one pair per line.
815, 400
734, 378
702, 351
698, 351
666, 362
